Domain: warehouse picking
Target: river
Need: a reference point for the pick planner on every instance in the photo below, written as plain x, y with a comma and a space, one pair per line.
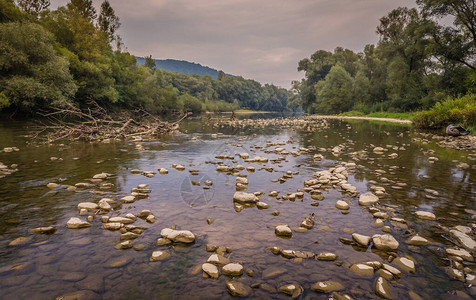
411, 173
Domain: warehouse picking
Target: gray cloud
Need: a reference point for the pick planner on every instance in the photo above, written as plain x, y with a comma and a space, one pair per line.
262, 40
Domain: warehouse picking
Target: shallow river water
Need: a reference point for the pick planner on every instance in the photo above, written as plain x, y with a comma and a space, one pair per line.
416, 174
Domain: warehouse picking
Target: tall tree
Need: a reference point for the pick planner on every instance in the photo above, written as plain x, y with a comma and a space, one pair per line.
33, 7
457, 42
84, 8
108, 21
149, 62
32, 74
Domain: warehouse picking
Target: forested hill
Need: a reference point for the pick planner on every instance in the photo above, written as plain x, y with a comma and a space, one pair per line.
181, 66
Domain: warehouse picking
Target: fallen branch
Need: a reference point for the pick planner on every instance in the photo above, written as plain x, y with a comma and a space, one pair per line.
95, 124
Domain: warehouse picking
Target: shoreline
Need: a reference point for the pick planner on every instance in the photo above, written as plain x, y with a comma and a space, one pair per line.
365, 118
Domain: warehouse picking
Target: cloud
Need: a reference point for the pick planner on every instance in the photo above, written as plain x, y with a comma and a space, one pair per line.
262, 40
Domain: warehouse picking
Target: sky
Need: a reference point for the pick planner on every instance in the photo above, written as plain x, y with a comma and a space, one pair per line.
258, 39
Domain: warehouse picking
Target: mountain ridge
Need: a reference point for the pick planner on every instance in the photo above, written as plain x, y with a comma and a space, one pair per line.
182, 66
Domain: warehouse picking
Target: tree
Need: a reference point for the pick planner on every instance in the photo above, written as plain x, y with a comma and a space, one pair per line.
108, 21
149, 62
32, 74
457, 42
84, 8
33, 7
334, 94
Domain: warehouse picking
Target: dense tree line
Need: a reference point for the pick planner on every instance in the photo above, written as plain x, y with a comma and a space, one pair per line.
72, 55
417, 62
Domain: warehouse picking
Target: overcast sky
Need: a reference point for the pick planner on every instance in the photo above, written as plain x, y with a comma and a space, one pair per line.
257, 39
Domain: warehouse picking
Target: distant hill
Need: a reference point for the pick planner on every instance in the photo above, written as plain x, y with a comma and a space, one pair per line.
181, 66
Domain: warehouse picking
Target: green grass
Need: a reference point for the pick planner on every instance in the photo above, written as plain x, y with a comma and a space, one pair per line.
458, 111
400, 116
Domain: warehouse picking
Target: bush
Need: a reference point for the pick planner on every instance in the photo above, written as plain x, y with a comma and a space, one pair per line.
459, 111
190, 103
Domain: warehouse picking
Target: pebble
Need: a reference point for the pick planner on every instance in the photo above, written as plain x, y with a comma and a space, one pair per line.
327, 286
211, 270
425, 215
362, 240
283, 230
232, 269
382, 288
385, 242
237, 289
368, 199
159, 255
76, 223
342, 205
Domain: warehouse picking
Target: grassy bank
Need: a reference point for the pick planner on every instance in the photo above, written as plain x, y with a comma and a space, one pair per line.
458, 111
400, 116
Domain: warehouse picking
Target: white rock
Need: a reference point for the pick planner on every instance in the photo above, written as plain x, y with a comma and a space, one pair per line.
405, 264
368, 199
245, 198
211, 270
465, 240
88, 206
121, 220
232, 269
461, 253
181, 236
360, 239
75, 223
385, 242
342, 205
425, 215
159, 255
283, 230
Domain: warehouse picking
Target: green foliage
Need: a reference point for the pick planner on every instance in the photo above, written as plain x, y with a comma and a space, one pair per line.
149, 62
10, 13
457, 111
4, 102
33, 7
31, 72
108, 22
190, 103
416, 63
334, 93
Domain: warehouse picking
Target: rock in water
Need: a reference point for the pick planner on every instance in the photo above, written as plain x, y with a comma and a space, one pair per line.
237, 289
360, 239
210, 270
292, 290
182, 236
308, 222
425, 215
327, 286
382, 288
75, 223
385, 242
232, 269
283, 230
368, 199
465, 240
245, 198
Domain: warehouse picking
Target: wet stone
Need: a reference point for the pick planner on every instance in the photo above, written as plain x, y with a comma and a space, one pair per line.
385, 242
292, 290
237, 289
159, 255
425, 215
405, 264
368, 199
362, 270
382, 288
211, 270
360, 239
182, 236
283, 230
327, 286
232, 269
417, 241
77, 223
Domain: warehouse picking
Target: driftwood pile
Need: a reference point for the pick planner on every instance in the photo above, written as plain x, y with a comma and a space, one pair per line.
96, 124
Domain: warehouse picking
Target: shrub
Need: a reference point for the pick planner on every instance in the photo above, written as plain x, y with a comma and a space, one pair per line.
459, 111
